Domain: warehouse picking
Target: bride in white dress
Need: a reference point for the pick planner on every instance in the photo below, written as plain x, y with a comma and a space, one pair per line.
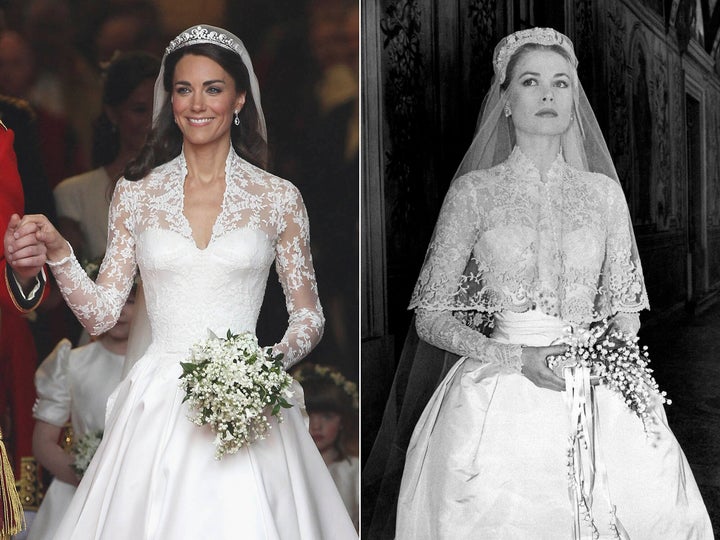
203, 225
534, 235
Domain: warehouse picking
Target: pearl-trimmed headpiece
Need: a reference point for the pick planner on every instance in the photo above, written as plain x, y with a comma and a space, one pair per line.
540, 36
201, 34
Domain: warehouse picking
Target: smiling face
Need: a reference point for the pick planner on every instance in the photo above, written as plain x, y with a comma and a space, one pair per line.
540, 94
204, 97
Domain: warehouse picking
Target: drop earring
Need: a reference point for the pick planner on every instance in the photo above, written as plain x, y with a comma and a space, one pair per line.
237, 119
507, 111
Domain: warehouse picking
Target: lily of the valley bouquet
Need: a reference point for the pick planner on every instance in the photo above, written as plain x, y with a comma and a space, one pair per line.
604, 356
232, 384
616, 360
83, 450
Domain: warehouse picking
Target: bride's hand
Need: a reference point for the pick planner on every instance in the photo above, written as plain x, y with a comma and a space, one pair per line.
534, 366
35, 233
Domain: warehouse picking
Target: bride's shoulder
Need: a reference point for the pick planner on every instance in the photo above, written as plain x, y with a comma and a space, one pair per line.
478, 180
599, 183
253, 178
160, 179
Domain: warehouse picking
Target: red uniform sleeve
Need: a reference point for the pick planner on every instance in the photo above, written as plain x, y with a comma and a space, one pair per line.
11, 202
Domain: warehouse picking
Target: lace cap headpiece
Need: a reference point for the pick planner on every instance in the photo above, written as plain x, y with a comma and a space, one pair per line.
509, 45
205, 33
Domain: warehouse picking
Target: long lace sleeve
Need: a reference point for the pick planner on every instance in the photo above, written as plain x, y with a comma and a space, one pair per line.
459, 224
441, 280
97, 305
293, 262
441, 329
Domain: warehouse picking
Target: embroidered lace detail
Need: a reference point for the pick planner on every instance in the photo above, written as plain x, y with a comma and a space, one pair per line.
507, 240
190, 290
442, 329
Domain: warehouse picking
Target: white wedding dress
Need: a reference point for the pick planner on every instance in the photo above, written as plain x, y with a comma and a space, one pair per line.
489, 456
154, 475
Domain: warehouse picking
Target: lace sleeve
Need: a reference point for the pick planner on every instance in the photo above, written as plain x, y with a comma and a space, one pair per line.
622, 287
441, 284
441, 329
293, 263
97, 305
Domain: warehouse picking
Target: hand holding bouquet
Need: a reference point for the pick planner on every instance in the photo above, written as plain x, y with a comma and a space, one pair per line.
617, 361
230, 383
84, 449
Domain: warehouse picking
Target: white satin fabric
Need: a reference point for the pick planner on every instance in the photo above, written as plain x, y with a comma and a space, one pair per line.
488, 458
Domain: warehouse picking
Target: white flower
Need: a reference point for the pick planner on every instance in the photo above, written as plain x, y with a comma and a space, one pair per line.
232, 384
84, 449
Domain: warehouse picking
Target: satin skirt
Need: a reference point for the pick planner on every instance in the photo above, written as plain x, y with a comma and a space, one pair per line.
488, 459
154, 475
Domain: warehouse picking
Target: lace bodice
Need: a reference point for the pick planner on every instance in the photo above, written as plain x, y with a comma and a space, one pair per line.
507, 239
190, 290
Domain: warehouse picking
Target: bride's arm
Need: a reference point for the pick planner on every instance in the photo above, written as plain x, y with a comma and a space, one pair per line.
97, 304
441, 329
294, 266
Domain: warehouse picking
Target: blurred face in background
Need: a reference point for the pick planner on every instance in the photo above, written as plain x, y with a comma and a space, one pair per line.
17, 65
325, 428
133, 117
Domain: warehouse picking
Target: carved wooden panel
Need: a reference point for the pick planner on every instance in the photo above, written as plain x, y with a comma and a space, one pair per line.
618, 110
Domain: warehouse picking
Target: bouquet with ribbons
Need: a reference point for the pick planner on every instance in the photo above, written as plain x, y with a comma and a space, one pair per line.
601, 356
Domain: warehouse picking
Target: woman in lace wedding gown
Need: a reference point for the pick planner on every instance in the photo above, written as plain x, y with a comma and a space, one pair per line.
534, 234
154, 476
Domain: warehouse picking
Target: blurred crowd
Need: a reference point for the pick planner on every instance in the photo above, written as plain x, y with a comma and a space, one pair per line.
76, 87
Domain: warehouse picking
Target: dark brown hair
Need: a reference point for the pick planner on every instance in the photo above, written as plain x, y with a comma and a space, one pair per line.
165, 139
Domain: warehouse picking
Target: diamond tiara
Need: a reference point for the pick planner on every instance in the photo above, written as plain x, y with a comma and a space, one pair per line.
539, 36
202, 34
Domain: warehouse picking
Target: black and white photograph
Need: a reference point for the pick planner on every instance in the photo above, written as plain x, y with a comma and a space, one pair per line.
540, 240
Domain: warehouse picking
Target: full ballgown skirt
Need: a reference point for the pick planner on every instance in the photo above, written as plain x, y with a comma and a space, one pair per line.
154, 475
488, 458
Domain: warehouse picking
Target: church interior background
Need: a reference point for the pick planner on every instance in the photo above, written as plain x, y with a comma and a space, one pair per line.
651, 69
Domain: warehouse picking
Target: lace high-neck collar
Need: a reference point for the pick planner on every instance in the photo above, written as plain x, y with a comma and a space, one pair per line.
524, 166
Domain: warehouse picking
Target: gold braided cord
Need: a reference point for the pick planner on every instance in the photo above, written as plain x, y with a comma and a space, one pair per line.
13, 519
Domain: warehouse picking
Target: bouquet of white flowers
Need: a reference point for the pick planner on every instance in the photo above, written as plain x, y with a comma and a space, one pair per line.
601, 356
84, 449
617, 361
230, 383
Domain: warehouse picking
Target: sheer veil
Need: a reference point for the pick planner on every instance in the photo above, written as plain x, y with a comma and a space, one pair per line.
422, 366
140, 330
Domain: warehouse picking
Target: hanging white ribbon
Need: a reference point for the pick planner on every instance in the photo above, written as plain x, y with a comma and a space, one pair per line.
585, 456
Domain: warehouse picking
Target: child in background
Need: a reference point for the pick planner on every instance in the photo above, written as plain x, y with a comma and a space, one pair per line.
332, 405
74, 385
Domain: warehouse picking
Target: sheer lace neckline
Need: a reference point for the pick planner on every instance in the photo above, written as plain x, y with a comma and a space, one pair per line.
524, 167
182, 175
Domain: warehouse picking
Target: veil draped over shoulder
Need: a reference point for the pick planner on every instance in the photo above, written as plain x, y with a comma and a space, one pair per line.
422, 366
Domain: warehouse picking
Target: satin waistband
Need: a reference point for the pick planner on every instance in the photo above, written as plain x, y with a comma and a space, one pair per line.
532, 327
